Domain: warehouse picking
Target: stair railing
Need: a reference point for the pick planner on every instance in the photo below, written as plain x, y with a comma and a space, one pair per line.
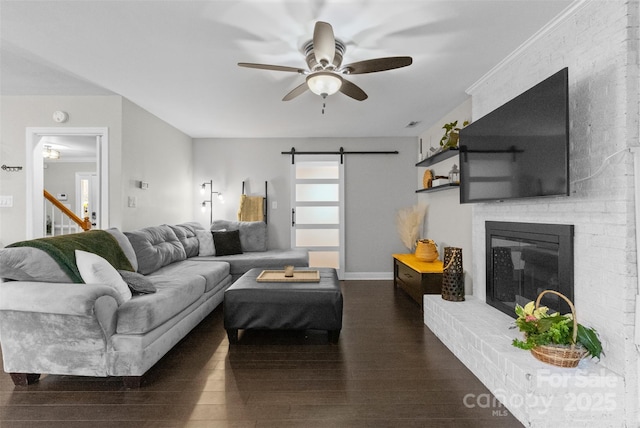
64, 217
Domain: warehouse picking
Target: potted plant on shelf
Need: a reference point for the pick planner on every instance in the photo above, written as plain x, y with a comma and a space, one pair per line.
553, 338
451, 135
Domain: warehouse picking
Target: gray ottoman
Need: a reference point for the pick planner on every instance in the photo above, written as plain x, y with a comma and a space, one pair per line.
249, 304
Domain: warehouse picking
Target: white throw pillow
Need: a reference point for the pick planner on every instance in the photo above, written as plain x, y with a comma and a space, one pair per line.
205, 240
96, 270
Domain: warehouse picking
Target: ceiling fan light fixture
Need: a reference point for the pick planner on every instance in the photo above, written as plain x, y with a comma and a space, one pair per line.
324, 83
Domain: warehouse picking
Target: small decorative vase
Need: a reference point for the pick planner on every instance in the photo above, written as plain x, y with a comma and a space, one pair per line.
452, 275
426, 250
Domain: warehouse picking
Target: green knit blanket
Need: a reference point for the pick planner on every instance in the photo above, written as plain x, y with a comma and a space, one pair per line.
62, 249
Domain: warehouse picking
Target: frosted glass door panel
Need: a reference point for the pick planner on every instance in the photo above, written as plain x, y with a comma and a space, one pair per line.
318, 215
316, 170
324, 259
318, 238
317, 209
317, 192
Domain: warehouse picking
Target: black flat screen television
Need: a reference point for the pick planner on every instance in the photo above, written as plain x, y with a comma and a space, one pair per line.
521, 149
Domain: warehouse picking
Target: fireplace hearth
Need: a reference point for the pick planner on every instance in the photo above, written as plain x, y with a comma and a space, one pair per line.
523, 259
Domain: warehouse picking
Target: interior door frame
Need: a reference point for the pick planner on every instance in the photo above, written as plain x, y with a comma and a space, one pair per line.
35, 174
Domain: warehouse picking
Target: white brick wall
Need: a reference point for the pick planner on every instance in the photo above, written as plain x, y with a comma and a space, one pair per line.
598, 42
538, 394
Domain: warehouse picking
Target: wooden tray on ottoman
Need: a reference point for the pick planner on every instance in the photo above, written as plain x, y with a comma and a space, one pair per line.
298, 276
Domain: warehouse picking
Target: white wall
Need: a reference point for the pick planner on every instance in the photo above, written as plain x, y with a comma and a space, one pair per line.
447, 222
20, 112
376, 186
141, 147
160, 155
599, 44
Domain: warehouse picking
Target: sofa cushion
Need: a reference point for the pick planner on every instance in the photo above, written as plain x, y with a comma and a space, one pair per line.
125, 245
205, 243
227, 243
212, 272
253, 234
155, 247
186, 233
272, 259
30, 264
145, 312
96, 270
137, 282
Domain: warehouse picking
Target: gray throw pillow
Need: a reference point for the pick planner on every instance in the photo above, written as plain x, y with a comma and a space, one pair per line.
227, 243
138, 283
125, 245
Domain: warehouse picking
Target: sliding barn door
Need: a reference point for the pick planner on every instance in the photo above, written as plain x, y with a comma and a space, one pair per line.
317, 209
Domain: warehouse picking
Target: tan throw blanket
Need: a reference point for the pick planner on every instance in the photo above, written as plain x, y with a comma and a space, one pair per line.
62, 249
251, 208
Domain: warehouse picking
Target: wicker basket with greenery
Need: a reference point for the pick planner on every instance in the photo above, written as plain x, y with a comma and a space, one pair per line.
553, 338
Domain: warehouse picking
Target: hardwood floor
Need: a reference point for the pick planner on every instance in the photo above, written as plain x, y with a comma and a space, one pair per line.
387, 370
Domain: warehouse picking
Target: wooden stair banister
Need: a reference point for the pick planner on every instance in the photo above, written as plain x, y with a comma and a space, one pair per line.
85, 223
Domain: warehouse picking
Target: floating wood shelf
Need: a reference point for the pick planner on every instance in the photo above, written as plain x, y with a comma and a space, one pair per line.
438, 157
438, 188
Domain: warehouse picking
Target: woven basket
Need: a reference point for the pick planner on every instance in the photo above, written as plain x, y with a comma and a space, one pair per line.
426, 250
560, 355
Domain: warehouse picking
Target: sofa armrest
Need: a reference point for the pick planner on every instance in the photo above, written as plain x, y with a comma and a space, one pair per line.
52, 297
58, 328
72, 299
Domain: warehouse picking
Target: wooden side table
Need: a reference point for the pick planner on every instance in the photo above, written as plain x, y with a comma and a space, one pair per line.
416, 277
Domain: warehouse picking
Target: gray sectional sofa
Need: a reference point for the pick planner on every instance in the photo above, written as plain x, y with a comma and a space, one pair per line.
51, 324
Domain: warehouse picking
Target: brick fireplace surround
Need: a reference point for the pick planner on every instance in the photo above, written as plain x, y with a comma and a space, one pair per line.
599, 42
538, 394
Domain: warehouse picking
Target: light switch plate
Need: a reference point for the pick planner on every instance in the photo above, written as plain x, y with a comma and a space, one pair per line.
6, 201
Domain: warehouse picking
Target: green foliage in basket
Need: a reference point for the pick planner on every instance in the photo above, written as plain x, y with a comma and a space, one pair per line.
541, 328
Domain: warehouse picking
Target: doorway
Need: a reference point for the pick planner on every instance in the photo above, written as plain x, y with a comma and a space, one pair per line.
87, 192
36, 141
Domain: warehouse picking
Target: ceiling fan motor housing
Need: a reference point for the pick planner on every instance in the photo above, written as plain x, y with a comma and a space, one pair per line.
313, 64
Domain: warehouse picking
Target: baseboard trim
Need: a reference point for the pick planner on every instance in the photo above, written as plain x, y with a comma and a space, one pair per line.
372, 276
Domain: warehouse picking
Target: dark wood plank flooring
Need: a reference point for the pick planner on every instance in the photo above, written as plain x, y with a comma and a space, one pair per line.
387, 370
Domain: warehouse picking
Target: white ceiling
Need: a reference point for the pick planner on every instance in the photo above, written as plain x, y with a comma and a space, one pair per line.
178, 59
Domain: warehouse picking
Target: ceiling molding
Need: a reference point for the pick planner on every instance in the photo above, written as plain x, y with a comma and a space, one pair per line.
570, 11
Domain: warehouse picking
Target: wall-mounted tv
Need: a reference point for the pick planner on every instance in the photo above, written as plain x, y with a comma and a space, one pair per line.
521, 149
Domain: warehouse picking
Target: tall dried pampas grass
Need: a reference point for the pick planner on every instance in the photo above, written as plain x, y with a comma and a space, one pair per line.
409, 222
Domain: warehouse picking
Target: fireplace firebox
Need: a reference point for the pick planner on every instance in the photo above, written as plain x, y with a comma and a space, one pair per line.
525, 258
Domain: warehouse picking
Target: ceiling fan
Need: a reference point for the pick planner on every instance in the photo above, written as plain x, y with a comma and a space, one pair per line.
325, 74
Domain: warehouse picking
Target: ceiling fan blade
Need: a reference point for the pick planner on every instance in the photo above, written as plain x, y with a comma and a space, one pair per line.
378, 64
324, 43
298, 90
272, 67
352, 90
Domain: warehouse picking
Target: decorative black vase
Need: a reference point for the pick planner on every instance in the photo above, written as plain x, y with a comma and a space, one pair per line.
453, 275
